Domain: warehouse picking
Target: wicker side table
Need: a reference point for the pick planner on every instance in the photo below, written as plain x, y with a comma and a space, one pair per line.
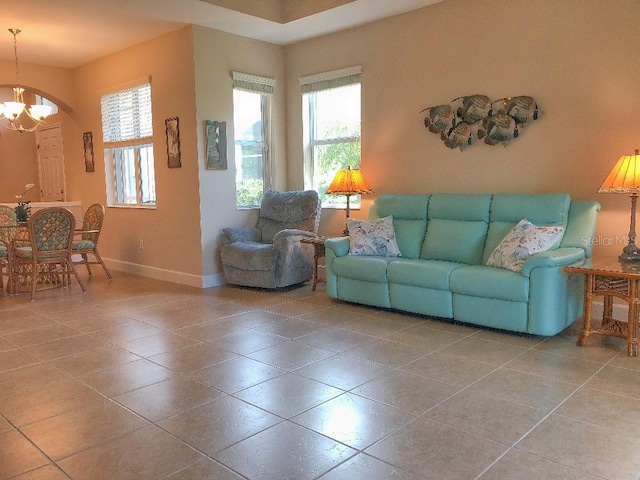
318, 253
610, 279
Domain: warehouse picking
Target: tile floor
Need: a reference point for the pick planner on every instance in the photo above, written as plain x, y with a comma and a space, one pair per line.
141, 379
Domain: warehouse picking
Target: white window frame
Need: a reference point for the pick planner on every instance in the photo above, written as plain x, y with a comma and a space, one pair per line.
310, 85
115, 176
265, 87
128, 128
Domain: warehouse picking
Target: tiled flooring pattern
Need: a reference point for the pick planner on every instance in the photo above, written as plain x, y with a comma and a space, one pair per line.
140, 379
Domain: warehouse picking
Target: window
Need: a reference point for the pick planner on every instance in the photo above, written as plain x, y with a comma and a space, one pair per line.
331, 118
251, 126
128, 147
40, 100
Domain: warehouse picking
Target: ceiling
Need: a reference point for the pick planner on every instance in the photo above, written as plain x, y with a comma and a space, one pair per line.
69, 33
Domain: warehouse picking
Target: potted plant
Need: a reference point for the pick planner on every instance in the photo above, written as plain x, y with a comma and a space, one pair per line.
23, 210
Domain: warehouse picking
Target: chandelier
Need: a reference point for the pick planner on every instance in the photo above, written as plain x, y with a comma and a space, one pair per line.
12, 111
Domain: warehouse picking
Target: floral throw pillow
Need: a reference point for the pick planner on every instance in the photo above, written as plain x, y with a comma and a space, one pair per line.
373, 238
522, 241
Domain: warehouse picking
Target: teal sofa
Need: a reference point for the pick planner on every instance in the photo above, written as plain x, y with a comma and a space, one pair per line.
445, 241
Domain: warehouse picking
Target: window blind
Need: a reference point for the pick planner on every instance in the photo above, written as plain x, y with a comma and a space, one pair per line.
126, 114
253, 83
332, 79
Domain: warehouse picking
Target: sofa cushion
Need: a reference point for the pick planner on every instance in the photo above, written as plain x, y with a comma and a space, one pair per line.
376, 238
409, 219
508, 209
522, 241
457, 228
488, 282
432, 274
413, 207
358, 267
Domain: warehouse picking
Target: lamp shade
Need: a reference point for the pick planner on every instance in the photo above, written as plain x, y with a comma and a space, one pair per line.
349, 182
624, 176
39, 112
13, 109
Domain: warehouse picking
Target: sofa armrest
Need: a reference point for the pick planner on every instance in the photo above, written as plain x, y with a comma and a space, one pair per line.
553, 258
239, 234
334, 248
339, 246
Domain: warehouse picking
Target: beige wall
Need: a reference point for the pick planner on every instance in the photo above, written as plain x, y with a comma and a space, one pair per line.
267, 9
575, 57
53, 82
171, 231
280, 11
217, 54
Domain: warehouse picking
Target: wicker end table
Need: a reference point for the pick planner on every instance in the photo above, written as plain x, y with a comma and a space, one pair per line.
318, 253
610, 279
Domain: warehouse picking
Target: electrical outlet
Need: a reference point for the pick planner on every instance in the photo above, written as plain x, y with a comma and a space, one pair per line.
141, 241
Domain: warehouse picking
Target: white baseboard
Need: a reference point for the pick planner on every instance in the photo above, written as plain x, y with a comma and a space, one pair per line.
214, 280
199, 281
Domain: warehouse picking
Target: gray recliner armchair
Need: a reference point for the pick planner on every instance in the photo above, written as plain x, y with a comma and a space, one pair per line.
271, 255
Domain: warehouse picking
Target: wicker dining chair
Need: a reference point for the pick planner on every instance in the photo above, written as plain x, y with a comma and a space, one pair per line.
48, 253
7, 219
88, 242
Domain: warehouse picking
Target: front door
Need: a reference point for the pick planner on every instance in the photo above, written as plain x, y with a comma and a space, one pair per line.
51, 163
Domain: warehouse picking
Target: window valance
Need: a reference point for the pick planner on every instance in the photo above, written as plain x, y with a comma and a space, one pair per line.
332, 79
253, 83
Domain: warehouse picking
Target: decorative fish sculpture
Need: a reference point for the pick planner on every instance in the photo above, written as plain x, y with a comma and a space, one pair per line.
476, 117
474, 108
500, 128
439, 119
522, 109
459, 136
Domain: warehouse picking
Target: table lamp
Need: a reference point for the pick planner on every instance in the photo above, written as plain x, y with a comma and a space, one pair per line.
625, 178
349, 182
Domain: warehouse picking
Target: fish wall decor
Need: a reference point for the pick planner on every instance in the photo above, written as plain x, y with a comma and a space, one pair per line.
466, 120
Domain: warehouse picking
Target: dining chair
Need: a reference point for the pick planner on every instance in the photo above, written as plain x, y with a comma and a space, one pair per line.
88, 242
7, 220
48, 252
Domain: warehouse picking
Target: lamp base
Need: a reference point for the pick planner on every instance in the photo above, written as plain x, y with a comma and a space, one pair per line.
630, 255
631, 267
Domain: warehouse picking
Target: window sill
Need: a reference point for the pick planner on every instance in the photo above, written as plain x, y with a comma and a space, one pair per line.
337, 207
137, 207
